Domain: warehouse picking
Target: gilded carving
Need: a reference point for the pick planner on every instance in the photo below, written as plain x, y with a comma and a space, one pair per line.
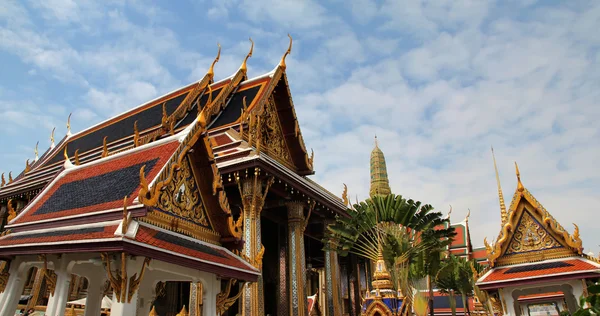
345, 195
11, 211
104, 148
123, 291
529, 236
223, 299
10, 178
4, 275
182, 196
3, 183
264, 133
27, 166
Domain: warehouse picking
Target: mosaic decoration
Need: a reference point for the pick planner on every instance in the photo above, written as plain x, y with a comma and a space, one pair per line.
182, 197
530, 236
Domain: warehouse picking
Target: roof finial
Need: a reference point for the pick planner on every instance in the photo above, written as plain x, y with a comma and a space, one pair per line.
27, 166
52, 138
376, 142
68, 164
77, 163
3, 181
69, 125
503, 213
449, 212
468, 215
244, 66
520, 186
104, 148
211, 70
345, 195
287, 52
35, 151
202, 120
10, 178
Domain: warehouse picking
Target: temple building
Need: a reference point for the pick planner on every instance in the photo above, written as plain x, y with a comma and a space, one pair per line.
536, 266
198, 202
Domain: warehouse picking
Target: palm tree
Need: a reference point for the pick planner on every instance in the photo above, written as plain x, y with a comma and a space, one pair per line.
456, 277
402, 230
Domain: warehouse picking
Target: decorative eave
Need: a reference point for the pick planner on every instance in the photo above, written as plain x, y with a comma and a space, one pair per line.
572, 243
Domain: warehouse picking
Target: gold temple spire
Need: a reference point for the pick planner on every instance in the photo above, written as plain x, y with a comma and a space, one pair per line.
69, 125
503, 213
211, 70
520, 186
52, 138
244, 67
380, 184
35, 151
287, 52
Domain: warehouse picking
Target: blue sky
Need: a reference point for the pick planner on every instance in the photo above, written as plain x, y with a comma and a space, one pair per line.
437, 81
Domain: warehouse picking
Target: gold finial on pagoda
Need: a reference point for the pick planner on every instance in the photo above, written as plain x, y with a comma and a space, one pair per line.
503, 213
3, 181
27, 166
10, 178
345, 195
381, 276
153, 312
35, 151
11, 211
211, 70
77, 163
52, 138
287, 52
104, 148
244, 67
69, 125
520, 186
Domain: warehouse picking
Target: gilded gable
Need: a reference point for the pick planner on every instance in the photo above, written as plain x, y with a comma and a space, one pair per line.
530, 236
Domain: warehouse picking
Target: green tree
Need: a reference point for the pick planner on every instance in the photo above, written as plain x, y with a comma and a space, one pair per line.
404, 230
591, 303
456, 277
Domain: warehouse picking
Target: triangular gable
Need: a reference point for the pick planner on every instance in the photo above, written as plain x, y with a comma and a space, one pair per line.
531, 234
202, 209
272, 126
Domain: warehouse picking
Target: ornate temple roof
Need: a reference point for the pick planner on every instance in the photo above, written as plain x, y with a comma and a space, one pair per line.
380, 184
567, 268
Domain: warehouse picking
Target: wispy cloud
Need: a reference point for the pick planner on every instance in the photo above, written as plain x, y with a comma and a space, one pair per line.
437, 81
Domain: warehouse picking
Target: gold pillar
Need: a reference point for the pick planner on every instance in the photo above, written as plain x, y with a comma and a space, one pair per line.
253, 198
333, 295
296, 257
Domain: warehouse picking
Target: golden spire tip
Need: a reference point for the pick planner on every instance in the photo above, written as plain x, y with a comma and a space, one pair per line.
244, 65
287, 52
69, 125
503, 213
211, 70
520, 186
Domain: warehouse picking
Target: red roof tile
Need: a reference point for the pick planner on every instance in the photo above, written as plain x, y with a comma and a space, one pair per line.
54, 201
182, 245
64, 235
566, 266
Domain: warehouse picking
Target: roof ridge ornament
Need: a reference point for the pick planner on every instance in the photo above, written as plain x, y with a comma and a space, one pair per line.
68, 164
10, 178
27, 166
11, 211
211, 70
449, 212
77, 163
104, 148
35, 151
345, 195
52, 138
282, 64
202, 119
503, 213
69, 125
468, 215
244, 67
3, 181
520, 186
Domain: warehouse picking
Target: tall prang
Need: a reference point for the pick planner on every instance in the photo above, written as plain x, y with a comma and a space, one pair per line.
380, 184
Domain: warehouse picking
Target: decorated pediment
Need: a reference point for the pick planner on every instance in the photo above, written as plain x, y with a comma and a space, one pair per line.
530, 233
530, 236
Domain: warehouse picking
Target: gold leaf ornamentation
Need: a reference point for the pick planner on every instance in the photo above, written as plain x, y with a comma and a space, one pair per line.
224, 302
530, 236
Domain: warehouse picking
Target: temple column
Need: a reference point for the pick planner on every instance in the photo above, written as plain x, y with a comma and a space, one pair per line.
211, 287
296, 257
93, 301
253, 198
14, 288
61, 293
333, 296
196, 297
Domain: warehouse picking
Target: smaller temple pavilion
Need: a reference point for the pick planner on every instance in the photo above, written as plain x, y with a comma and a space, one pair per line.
536, 266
